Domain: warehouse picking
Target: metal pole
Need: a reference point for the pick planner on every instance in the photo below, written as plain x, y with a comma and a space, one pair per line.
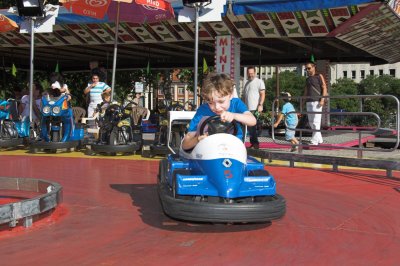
114, 68
259, 63
31, 101
196, 53
277, 89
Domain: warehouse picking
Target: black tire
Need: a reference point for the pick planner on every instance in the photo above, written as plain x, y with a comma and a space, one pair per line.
176, 140
55, 136
266, 210
8, 130
32, 134
43, 145
127, 135
146, 153
3, 132
89, 152
102, 137
162, 171
114, 137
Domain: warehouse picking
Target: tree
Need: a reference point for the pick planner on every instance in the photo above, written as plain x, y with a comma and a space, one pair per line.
384, 107
289, 81
187, 76
125, 84
343, 87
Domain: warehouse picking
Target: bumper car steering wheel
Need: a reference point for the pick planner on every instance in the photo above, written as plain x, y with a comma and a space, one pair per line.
213, 125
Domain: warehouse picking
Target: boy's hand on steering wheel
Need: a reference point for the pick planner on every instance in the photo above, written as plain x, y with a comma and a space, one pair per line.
227, 116
201, 137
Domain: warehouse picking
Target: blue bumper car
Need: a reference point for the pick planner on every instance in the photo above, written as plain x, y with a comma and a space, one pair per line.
12, 129
217, 182
57, 127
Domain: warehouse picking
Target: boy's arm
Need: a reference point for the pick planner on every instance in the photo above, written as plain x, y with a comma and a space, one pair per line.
280, 117
245, 118
191, 139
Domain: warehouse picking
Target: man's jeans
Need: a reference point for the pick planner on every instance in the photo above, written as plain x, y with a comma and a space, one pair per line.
253, 133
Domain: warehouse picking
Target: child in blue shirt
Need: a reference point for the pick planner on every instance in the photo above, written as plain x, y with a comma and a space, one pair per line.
217, 92
289, 113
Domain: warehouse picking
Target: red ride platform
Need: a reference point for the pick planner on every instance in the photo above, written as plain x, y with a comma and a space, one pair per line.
111, 215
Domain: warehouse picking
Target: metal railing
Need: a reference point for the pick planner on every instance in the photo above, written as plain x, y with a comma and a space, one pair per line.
360, 131
388, 166
336, 161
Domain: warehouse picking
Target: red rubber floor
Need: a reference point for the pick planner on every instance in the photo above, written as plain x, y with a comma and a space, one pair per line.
111, 216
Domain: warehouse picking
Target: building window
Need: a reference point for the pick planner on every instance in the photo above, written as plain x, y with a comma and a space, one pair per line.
345, 74
371, 72
353, 74
181, 90
380, 72
392, 72
362, 74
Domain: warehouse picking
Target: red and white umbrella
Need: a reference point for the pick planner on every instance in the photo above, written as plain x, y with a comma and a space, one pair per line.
7, 24
136, 11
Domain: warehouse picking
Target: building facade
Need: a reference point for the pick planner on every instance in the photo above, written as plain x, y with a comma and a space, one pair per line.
358, 72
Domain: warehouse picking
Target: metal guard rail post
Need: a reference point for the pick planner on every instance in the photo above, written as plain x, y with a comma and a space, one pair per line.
389, 166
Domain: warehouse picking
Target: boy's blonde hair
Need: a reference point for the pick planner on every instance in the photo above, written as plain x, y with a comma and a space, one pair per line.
106, 96
216, 82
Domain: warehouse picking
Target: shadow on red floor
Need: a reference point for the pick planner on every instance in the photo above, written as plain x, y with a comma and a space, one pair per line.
111, 215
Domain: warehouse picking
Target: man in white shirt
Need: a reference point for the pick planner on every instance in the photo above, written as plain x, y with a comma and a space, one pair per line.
254, 96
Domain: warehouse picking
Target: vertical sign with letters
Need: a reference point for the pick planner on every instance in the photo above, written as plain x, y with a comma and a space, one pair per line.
224, 57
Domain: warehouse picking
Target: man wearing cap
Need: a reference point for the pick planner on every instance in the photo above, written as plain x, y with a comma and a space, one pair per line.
96, 89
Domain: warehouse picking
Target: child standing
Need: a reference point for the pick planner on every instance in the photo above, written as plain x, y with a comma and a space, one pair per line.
289, 113
217, 92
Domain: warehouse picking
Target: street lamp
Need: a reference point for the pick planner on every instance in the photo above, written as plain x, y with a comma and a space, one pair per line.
32, 9
196, 4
